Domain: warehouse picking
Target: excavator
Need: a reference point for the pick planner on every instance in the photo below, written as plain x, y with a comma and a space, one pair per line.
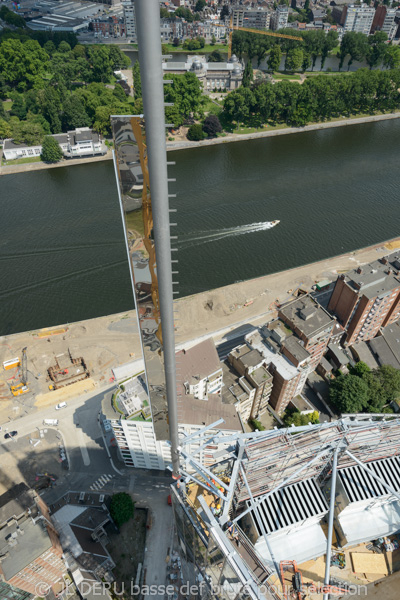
22, 386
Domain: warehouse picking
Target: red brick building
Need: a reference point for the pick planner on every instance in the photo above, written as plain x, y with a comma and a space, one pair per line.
367, 298
30, 550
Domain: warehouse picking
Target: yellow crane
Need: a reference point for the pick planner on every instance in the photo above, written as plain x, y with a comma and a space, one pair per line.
258, 31
22, 386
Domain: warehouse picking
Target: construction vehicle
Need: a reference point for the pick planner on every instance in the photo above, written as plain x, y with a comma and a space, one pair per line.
22, 386
258, 31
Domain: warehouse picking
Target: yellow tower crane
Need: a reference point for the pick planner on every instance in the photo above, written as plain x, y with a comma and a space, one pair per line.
258, 31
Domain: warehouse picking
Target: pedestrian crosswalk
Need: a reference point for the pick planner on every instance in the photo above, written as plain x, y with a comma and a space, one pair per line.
101, 482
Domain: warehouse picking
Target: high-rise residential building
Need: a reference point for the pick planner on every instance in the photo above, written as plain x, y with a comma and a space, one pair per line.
367, 298
30, 550
130, 20
358, 18
279, 18
199, 403
254, 19
384, 20
253, 389
311, 323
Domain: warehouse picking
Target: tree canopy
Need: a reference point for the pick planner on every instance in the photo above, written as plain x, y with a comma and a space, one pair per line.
51, 151
122, 508
185, 92
366, 390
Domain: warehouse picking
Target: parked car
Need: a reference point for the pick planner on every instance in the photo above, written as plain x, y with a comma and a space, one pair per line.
61, 405
11, 434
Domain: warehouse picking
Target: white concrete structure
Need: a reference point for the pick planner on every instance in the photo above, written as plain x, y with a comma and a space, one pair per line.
74, 144
359, 19
279, 19
389, 25
130, 20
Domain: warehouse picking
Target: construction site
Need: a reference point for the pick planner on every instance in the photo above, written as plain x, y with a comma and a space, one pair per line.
296, 513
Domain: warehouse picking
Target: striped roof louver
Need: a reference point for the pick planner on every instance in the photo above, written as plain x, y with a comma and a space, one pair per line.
359, 485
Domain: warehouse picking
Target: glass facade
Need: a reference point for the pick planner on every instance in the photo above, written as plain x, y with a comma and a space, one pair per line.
8, 592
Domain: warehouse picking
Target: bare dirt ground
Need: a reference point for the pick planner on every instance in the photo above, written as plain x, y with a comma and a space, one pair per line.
113, 340
127, 550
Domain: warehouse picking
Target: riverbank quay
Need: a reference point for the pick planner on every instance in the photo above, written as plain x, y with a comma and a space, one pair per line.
113, 340
241, 137
39, 166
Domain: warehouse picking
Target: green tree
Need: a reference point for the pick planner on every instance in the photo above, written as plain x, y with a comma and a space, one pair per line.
184, 13
349, 393
64, 47
164, 14
224, 12
119, 93
247, 78
137, 82
275, 57
74, 114
102, 122
212, 125
25, 132
200, 4
18, 108
176, 42
295, 417
389, 378
213, 40
215, 56
376, 52
119, 60
100, 63
186, 94
51, 151
294, 59
50, 47
195, 133
5, 130
392, 57
122, 508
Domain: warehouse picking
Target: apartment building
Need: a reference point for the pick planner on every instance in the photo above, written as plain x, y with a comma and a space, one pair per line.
255, 19
130, 20
253, 389
358, 18
130, 415
279, 18
312, 325
367, 298
384, 20
272, 366
30, 550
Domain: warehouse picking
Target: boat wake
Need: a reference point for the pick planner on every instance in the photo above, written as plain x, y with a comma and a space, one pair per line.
214, 235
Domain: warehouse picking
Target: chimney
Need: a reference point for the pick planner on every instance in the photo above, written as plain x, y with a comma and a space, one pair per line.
359, 270
384, 260
388, 271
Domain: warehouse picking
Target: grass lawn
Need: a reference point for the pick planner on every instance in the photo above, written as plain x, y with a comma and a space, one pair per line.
134, 221
21, 161
210, 107
207, 48
280, 76
326, 74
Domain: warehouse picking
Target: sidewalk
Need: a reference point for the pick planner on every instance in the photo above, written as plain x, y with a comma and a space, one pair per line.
39, 166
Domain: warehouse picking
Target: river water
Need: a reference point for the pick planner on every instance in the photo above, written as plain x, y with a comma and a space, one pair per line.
61, 243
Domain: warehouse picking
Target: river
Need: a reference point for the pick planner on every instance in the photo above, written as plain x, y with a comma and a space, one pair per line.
61, 242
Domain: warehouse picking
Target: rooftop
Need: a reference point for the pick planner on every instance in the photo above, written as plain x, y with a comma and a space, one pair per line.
296, 349
373, 279
198, 362
205, 412
307, 316
21, 549
15, 502
282, 364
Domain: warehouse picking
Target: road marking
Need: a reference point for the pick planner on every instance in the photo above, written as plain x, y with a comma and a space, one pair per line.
84, 450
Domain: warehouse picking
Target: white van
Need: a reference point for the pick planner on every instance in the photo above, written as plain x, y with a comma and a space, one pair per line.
53, 422
61, 405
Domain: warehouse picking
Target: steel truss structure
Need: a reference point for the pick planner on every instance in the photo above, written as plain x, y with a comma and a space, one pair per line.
261, 463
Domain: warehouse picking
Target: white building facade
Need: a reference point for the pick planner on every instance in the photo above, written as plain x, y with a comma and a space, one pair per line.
359, 19
130, 20
279, 19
